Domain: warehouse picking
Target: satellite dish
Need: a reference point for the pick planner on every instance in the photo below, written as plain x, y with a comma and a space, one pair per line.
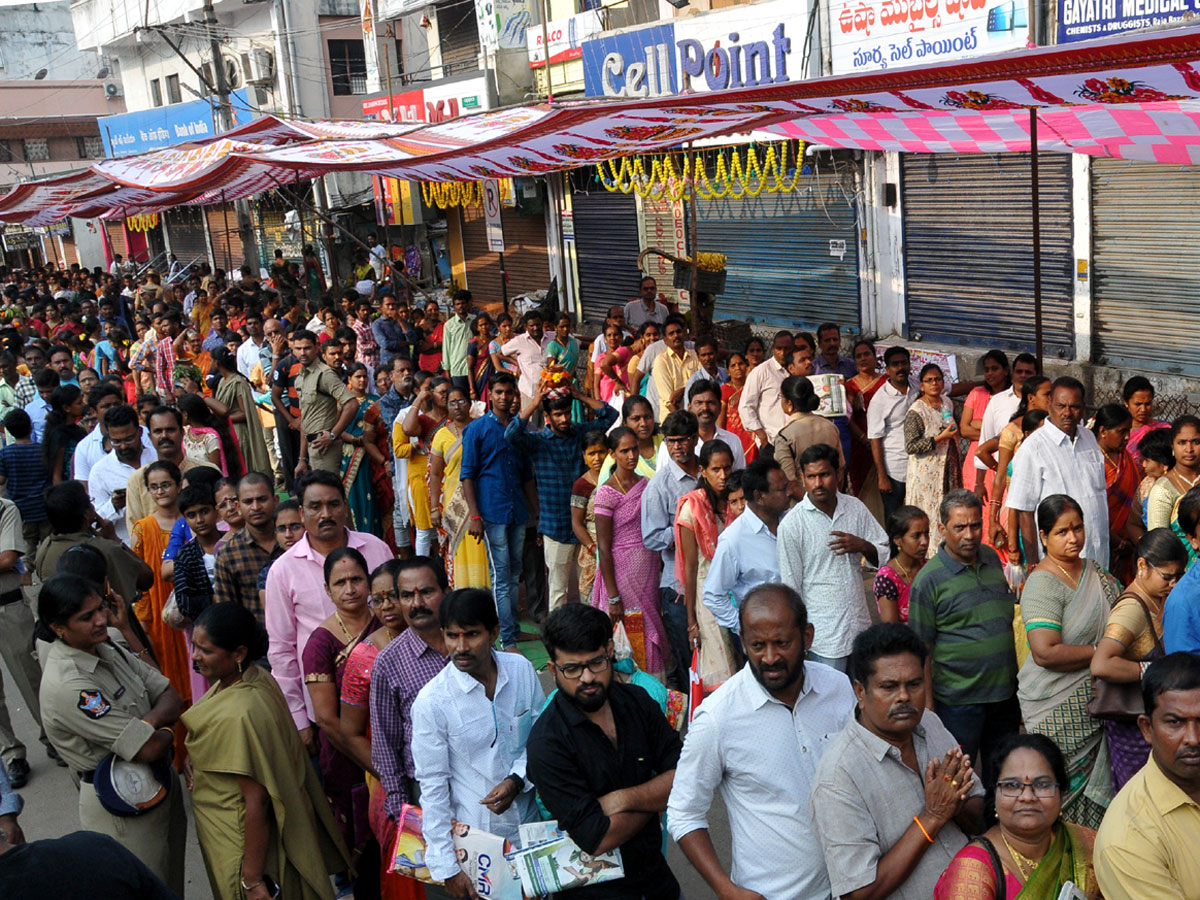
41, 73
103, 73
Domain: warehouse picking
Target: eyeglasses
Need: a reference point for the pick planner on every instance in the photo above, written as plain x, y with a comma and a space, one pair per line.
1169, 578
377, 600
1012, 789
161, 487
573, 671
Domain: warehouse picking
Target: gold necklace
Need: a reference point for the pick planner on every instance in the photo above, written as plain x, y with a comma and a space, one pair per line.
1020, 859
620, 486
1070, 578
342, 625
903, 571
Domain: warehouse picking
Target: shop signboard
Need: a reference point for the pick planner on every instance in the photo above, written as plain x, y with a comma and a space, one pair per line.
753, 45
164, 126
435, 103
503, 23
566, 38
1081, 20
870, 35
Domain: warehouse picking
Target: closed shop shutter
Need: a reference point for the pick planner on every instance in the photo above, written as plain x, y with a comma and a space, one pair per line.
968, 250
525, 256
792, 259
1145, 280
226, 239
116, 236
185, 228
606, 247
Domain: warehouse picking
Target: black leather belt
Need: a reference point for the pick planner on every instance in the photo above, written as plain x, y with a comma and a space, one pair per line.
13, 596
86, 777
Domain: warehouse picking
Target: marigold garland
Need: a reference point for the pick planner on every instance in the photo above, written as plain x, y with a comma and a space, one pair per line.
737, 173
447, 194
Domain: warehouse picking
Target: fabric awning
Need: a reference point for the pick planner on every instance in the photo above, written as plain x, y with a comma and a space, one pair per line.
1130, 96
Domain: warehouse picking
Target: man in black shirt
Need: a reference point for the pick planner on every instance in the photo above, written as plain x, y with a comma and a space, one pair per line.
603, 758
80, 866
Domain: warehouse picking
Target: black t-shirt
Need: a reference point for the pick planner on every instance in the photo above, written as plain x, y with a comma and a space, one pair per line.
572, 763
81, 866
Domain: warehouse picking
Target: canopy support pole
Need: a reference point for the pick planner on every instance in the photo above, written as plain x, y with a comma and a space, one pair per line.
694, 250
1037, 235
228, 246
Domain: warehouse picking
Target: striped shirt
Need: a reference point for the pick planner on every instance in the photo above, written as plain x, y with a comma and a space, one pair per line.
964, 614
26, 479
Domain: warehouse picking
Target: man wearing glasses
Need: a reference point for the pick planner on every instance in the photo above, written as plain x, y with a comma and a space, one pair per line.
605, 793
109, 477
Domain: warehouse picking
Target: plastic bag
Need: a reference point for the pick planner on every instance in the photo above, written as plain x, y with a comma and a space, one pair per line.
622, 649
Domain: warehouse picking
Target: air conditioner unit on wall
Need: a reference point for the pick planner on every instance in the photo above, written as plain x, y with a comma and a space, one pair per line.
260, 68
113, 89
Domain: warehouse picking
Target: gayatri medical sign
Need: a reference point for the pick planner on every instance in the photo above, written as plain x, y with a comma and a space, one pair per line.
1080, 20
759, 44
868, 35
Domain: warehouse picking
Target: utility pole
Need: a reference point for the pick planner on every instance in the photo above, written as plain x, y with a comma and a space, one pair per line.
219, 75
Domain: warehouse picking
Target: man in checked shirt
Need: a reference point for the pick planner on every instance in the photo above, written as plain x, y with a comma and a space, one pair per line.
402, 668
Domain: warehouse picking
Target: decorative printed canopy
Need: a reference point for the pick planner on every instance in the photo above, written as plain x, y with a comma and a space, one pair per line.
1133, 97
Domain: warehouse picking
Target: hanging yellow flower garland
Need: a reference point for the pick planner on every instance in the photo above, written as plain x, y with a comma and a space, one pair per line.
447, 194
737, 173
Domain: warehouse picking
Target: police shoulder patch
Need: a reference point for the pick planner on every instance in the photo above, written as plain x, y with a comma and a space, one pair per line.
93, 704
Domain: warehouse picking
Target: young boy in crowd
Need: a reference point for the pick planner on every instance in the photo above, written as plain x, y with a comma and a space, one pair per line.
23, 474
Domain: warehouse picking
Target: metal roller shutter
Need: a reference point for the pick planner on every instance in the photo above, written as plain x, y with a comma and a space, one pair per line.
226, 239
968, 254
525, 256
185, 227
1145, 280
786, 264
70, 253
606, 244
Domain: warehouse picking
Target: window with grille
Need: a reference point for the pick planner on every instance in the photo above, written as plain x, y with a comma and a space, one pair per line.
156, 92
348, 67
37, 150
173, 92
458, 34
91, 147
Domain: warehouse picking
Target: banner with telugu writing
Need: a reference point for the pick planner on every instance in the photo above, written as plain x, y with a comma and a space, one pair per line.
869, 35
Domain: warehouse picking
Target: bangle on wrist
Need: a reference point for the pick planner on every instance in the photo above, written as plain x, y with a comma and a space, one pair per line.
476, 518
247, 888
613, 601
923, 831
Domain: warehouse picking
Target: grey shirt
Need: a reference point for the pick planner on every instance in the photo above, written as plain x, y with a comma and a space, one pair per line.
864, 799
659, 501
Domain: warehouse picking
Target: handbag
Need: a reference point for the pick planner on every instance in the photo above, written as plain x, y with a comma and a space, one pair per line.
1122, 702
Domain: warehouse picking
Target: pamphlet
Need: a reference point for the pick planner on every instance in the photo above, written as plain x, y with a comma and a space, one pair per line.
549, 861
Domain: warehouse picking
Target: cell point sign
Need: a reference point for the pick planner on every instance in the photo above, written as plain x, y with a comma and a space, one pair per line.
757, 45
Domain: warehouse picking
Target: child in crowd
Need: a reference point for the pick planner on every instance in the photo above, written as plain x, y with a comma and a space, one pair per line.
23, 475
1157, 458
583, 518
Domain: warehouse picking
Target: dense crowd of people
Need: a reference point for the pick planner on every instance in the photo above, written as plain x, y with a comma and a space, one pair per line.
271, 548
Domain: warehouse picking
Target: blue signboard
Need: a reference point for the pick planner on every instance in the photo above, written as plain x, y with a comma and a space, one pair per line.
1081, 20
638, 63
165, 126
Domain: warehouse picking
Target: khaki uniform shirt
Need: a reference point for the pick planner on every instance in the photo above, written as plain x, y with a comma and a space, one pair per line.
92, 705
322, 394
122, 574
11, 538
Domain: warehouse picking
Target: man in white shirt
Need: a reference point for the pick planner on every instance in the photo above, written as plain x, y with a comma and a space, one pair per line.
109, 478
90, 450
530, 350
250, 352
885, 428
648, 307
1062, 458
758, 740
822, 545
747, 553
470, 727
704, 402
761, 406
1001, 408
378, 257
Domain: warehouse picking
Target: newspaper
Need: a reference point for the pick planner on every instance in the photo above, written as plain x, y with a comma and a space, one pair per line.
481, 855
549, 861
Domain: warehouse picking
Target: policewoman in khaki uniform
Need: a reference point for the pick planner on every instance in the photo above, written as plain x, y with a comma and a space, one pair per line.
98, 699
327, 407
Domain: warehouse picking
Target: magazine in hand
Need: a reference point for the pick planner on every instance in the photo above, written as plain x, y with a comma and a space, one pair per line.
549, 861
481, 855
831, 390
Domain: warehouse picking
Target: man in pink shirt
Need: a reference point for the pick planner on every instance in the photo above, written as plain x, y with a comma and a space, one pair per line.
296, 599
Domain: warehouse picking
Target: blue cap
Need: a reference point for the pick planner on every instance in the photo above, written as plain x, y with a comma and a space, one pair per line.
131, 788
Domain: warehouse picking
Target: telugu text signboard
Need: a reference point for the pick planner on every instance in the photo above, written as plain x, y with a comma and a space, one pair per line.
868, 35
1081, 20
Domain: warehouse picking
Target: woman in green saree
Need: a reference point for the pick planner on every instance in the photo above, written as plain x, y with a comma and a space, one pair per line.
1030, 848
235, 392
261, 816
563, 351
359, 452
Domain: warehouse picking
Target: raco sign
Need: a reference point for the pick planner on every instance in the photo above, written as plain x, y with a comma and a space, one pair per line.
758, 44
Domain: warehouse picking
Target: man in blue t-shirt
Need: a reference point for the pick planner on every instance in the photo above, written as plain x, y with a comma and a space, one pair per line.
23, 475
1181, 613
